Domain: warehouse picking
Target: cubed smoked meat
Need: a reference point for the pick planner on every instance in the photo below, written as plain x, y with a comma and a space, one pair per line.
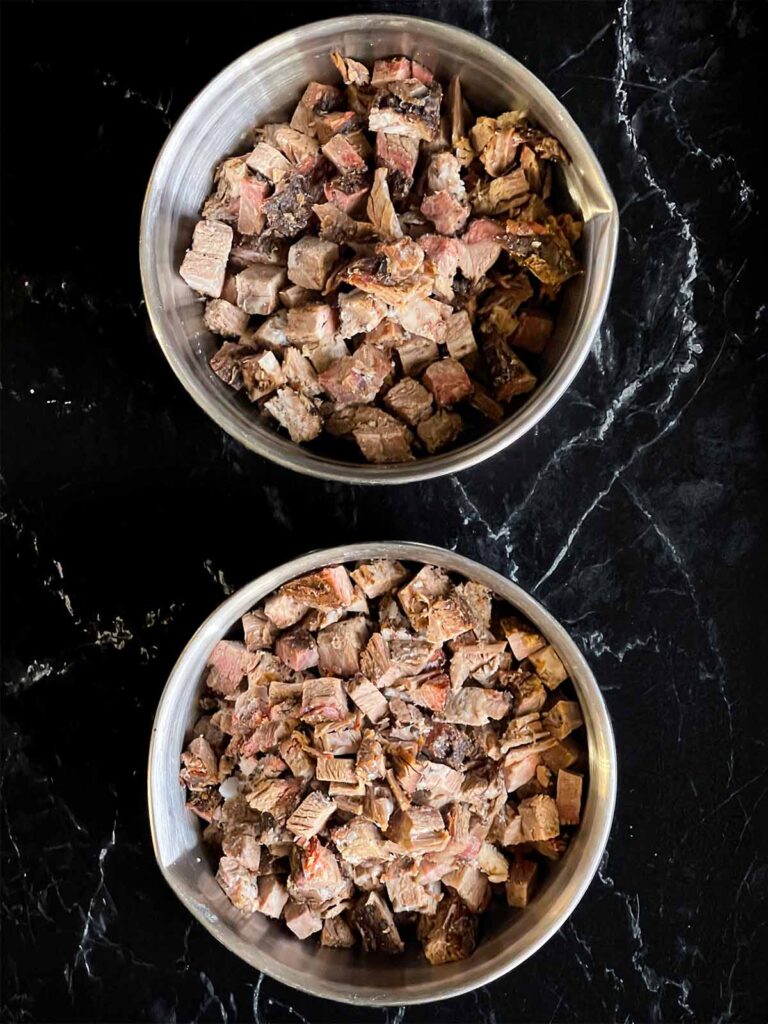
548, 667
310, 261
257, 288
521, 882
296, 413
509, 374
410, 401
440, 430
568, 799
448, 381
222, 317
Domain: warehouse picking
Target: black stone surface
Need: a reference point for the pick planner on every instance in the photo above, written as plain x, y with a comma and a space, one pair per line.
633, 512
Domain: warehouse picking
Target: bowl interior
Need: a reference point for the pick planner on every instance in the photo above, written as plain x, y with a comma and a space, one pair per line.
508, 938
264, 85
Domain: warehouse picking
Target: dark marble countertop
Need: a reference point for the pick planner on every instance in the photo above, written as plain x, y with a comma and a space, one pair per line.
633, 512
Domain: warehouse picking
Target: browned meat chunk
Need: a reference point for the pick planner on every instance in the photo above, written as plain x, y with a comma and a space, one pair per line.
337, 934
392, 69
415, 354
569, 786
221, 317
352, 71
205, 264
540, 818
349, 191
262, 374
534, 331
338, 226
368, 698
257, 288
376, 925
407, 107
200, 765
377, 577
316, 878
314, 323
381, 438
521, 882
562, 718
269, 161
310, 261
323, 700
447, 213
545, 253
259, 632
297, 648
310, 816
522, 637
481, 247
300, 373
398, 153
448, 381
471, 885
359, 313
330, 587
450, 934
228, 664
339, 646
381, 212
470, 659
226, 363
548, 667
440, 430
527, 691
356, 379
459, 339
509, 374
473, 705
418, 830
296, 413
426, 318
410, 401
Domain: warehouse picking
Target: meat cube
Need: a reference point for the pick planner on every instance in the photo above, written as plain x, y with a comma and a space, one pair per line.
314, 323
448, 381
300, 373
212, 238
376, 925
471, 885
221, 317
200, 765
356, 379
404, 258
228, 664
370, 762
379, 576
548, 666
250, 216
297, 649
527, 732
473, 705
323, 354
543, 250
381, 438
375, 661
343, 155
485, 405
426, 318
257, 288
295, 295
522, 637
450, 934
448, 617
391, 69
316, 877
204, 274
269, 161
470, 657
447, 213
360, 841
481, 248
242, 847
509, 374
415, 354
562, 718
302, 921
336, 769
351, 71
349, 191
406, 893
562, 754
292, 751
527, 691
445, 254
398, 153
500, 151
368, 698
459, 339
329, 587
500, 195
329, 125
381, 212
296, 413
418, 830
444, 174
416, 598
262, 374
278, 797
259, 632
439, 783
270, 333
283, 610
239, 884
339, 646
319, 96
226, 363
409, 400
539, 818
311, 816
323, 700
521, 882
568, 799
534, 331
337, 934
359, 313
408, 107
310, 261
507, 827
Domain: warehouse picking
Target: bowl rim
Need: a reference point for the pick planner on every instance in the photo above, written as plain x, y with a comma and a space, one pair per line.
587, 686
543, 398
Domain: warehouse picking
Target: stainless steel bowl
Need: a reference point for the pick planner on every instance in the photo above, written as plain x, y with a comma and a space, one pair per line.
263, 85
351, 976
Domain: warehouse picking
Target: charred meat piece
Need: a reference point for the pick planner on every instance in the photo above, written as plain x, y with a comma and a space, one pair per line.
407, 107
376, 925
296, 413
356, 379
450, 934
509, 374
546, 253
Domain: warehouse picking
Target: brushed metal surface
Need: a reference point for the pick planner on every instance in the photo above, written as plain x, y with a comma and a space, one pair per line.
263, 85
347, 975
